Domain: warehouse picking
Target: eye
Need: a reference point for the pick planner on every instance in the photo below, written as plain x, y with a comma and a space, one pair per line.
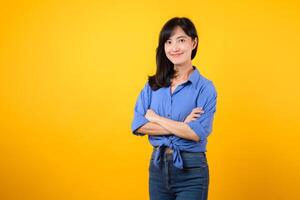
168, 42
182, 40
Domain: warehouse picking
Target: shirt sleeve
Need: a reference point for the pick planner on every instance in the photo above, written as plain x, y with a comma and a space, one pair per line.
207, 100
141, 106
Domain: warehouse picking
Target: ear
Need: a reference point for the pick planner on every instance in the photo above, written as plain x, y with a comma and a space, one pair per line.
195, 41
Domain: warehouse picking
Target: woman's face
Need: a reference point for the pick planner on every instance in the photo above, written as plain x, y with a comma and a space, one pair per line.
179, 46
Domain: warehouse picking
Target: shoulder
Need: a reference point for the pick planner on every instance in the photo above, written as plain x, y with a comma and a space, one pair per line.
146, 88
206, 85
211, 86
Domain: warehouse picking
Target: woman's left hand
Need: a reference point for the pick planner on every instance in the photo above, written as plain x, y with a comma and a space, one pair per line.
151, 115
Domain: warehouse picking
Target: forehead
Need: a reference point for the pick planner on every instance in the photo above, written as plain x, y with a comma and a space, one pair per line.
178, 32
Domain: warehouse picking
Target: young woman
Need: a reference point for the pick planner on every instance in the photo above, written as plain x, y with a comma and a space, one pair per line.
175, 109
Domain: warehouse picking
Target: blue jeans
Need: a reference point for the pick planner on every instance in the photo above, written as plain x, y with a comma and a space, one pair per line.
170, 183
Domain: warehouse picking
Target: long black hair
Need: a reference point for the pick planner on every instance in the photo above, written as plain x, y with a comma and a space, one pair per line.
164, 67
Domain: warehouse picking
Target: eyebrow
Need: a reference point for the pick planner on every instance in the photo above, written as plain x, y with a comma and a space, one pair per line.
182, 36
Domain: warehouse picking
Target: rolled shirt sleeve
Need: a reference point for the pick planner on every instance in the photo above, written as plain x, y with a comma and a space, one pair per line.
141, 106
207, 100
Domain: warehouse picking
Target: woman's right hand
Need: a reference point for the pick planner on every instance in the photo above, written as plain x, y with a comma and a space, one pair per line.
193, 115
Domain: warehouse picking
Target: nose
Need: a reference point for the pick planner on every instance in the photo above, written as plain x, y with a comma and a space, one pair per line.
175, 47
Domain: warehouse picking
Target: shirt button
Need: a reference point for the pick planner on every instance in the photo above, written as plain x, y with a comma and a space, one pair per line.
168, 115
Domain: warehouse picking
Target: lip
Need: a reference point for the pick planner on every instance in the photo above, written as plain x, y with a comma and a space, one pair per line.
176, 55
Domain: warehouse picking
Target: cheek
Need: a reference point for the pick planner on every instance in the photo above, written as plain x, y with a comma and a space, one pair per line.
186, 47
167, 54
166, 50
188, 50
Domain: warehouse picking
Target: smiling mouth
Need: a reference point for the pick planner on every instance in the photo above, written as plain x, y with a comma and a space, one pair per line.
176, 55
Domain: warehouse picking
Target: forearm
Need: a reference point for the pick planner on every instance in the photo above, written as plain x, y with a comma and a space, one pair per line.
180, 129
152, 128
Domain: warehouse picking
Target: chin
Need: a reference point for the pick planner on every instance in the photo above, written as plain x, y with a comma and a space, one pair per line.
178, 62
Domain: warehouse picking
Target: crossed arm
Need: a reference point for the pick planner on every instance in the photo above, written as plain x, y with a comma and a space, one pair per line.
159, 125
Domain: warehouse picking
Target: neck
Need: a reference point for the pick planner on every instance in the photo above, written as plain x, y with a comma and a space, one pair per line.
182, 71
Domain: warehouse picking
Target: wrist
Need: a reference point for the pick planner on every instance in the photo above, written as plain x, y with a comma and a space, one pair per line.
158, 119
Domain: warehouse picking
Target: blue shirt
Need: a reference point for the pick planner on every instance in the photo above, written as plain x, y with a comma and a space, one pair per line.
197, 91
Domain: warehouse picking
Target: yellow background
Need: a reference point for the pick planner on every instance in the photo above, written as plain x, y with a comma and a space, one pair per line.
70, 73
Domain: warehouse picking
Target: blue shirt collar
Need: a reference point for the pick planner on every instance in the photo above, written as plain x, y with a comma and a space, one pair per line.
194, 77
